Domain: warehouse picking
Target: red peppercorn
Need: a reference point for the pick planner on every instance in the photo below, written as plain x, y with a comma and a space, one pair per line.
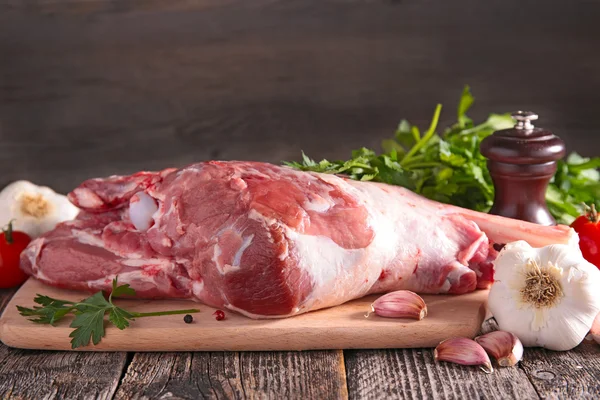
219, 315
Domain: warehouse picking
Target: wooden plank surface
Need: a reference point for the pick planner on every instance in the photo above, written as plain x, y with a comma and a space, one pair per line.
414, 374
92, 88
26, 374
567, 375
341, 327
250, 375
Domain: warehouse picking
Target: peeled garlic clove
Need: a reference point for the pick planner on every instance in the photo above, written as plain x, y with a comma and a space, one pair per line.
595, 331
503, 346
400, 304
463, 351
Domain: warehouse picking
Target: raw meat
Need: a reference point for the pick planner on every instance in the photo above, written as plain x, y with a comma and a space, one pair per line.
269, 241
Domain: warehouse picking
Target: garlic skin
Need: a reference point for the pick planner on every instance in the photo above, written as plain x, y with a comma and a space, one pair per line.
400, 304
34, 209
463, 351
505, 347
547, 297
595, 331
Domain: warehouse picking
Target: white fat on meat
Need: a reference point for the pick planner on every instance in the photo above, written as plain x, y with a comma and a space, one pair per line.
147, 262
86, 237
339, 273
237, 258
318, 204
197, 288
141, 210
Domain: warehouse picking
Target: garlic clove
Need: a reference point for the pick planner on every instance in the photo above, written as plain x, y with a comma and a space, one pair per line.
595, 331
463, 351
400, 304
34, 209
505, 347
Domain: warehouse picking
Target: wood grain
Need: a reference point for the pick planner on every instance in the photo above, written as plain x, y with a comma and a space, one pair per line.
92, 88
28, 374
414, 374
249, 375
341, 327
567, 375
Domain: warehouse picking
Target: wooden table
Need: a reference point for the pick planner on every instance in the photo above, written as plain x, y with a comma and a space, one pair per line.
82, 83
356, 374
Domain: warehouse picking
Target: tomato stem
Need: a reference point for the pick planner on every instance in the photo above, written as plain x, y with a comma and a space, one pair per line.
8, 232
591, 213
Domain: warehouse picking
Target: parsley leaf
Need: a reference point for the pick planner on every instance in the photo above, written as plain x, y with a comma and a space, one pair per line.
122, 290
89, 325
446, 165
89, 314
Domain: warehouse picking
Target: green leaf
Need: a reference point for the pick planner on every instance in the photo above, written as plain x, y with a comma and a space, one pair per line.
446, 155
404, 127
44, 316
425, 139
307, 161
121, 290
466, 100
584, 164
324, 164
119, 317
445, 174
405, 135
575, 159
414, 130
89, 325
368, 177
363, 152
390, 145
293, 164
496, 122
49, 301
93, 302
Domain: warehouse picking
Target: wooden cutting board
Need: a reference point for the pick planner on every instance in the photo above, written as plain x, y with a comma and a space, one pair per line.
341, 327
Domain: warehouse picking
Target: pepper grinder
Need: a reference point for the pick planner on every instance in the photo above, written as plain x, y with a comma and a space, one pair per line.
521, 161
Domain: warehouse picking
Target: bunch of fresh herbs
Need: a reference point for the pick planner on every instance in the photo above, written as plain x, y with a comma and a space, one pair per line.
89, 314
446, 165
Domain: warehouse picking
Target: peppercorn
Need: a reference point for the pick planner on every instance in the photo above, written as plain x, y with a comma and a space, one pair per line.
188, 319
219, 315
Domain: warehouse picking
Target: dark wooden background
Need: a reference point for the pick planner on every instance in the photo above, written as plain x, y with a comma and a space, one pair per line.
91, 88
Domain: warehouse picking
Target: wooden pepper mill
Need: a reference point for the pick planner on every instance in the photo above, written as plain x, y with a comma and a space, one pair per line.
521, 161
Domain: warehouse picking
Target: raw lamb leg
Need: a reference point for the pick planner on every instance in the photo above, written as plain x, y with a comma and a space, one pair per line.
269, 241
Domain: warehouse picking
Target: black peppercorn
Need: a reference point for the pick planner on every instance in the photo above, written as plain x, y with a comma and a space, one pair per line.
188, 319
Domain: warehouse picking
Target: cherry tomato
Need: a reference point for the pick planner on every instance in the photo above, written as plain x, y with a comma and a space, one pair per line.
12, 243
588, 228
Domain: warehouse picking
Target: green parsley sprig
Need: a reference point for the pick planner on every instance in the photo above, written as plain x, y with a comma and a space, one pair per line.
446, 165
89, 314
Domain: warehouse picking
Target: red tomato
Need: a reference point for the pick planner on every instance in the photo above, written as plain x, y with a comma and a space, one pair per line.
12, 243
588, 228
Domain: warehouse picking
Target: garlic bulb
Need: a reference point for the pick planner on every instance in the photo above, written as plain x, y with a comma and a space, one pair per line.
547, 297
34, 209
595, 330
